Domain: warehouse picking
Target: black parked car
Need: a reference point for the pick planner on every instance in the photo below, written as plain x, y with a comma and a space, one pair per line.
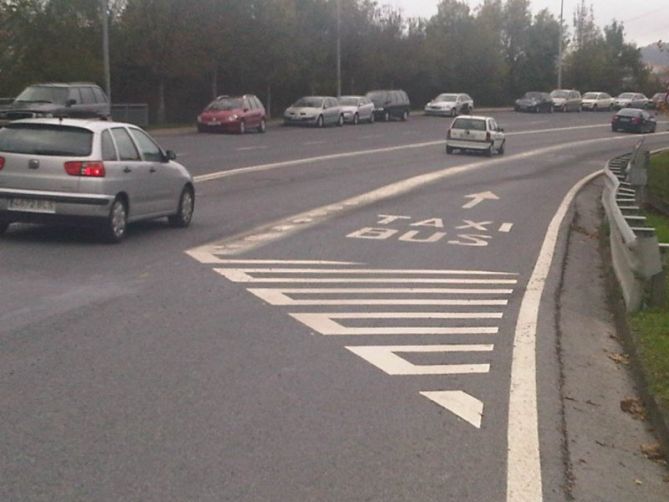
74, 100
633, 120
390, 104
534, 102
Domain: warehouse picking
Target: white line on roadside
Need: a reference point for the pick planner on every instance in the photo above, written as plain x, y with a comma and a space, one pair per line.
462, 404
523, 456
249, 148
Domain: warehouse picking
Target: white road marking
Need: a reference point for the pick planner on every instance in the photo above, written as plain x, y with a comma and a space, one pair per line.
386, 359
382, 271
505, 227
325, 324
524, 482
249, 148
264, 234
460, 403
477, 198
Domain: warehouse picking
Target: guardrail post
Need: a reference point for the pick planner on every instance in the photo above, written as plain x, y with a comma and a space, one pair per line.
650, 266
637, 173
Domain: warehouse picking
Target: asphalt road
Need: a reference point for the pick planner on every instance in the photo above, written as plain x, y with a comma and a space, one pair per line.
362, 351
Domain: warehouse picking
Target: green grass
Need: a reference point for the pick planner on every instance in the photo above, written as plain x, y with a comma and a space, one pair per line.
651, 331
658, 176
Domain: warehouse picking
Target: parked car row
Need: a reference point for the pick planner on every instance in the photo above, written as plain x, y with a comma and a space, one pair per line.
566, 100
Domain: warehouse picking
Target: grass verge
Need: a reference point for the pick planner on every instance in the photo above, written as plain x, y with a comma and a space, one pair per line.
658, 177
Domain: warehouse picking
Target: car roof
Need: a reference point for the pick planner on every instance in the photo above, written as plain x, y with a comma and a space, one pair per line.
61, 84
476, 117
352, 96
91, 124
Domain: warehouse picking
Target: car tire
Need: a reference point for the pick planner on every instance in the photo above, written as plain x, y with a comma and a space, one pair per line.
449, 150
500, 150
201, 128
386, 117
356, 119
116, 225
4, 225
453, 112
242, 127
320, 122
488, 152
262, 127
614, 129
371, 118
184, 214
405, 116
340, 121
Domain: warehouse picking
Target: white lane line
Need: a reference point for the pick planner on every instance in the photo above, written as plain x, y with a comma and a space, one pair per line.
249, 148
386, 359
264, 234
524, 482
460, 403
385, 291
372, 271
408, 315
506, 227
209, 258
237, 276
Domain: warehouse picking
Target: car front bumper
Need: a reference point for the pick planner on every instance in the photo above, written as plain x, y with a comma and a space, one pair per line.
299, 120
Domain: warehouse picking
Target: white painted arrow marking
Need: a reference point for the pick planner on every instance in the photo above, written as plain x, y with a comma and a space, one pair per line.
477, 198
459, 403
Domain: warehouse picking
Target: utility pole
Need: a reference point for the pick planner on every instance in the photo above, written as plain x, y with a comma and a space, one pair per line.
559, 82
338, 48
105, 46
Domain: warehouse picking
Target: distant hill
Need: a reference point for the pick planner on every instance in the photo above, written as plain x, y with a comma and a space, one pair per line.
652, 55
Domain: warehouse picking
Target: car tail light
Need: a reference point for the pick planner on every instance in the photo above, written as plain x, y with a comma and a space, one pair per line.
90, 169
2, 163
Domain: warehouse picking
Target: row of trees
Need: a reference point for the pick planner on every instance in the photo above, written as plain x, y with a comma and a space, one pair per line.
177, 54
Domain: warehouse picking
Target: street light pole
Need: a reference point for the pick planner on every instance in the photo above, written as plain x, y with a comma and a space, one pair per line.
338, 48
559, 82
105, 46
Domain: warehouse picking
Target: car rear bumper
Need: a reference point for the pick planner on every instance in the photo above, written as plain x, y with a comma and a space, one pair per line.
39, 205
300, 120
468, 145
438, 112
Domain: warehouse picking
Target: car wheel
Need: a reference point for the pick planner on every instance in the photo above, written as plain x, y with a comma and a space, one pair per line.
453, 112
4, 225
449, 150
242, 127
614, 129
262, 127
488, 152
201, 128
320, 122
184, 213
117, 222
501, 148
340, 121
371, 118
356, 119
386, 117
405, 116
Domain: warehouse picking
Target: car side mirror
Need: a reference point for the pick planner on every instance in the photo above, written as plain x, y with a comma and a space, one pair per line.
170, 155
70, 102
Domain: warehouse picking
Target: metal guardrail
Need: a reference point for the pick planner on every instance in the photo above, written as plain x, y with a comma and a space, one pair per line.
635, 251
134, 113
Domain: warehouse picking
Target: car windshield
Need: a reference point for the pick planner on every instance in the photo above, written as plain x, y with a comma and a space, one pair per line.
309, 103
626, 95
347, 101
658, 95
378, 98
559, 94
590, 95
446, 98
473, 124
629, 112
533, 95
226, 104
46, 139
43, 94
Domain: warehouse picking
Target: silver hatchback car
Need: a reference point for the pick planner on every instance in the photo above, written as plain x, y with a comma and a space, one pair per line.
89, 172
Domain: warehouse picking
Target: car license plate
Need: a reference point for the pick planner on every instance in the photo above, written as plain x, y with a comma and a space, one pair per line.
624, 119
31, 205
214, 122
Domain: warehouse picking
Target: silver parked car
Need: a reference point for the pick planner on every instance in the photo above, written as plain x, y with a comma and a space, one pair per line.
90, 172
566, 100
450, 105
319, 111
631, 100
356, 109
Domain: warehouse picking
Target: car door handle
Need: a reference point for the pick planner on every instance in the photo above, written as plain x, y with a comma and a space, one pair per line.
126, 169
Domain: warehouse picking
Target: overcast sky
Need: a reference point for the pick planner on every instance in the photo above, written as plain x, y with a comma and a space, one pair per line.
646, 21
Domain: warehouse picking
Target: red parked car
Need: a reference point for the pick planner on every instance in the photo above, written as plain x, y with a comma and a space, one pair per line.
233, 114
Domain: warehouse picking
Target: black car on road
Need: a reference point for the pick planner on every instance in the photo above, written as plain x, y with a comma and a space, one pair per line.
534, 102
72, 100
633, 120
390, 104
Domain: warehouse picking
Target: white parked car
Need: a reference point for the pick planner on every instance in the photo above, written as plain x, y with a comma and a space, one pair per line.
476, 134
631, 100
450, 105
356, 109
597, 101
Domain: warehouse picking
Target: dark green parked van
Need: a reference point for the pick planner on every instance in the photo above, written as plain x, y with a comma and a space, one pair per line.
390, 104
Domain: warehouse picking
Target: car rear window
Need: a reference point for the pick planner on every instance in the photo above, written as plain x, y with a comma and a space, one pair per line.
630, 112
226, 104
43, 94
471, 124
46, 139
